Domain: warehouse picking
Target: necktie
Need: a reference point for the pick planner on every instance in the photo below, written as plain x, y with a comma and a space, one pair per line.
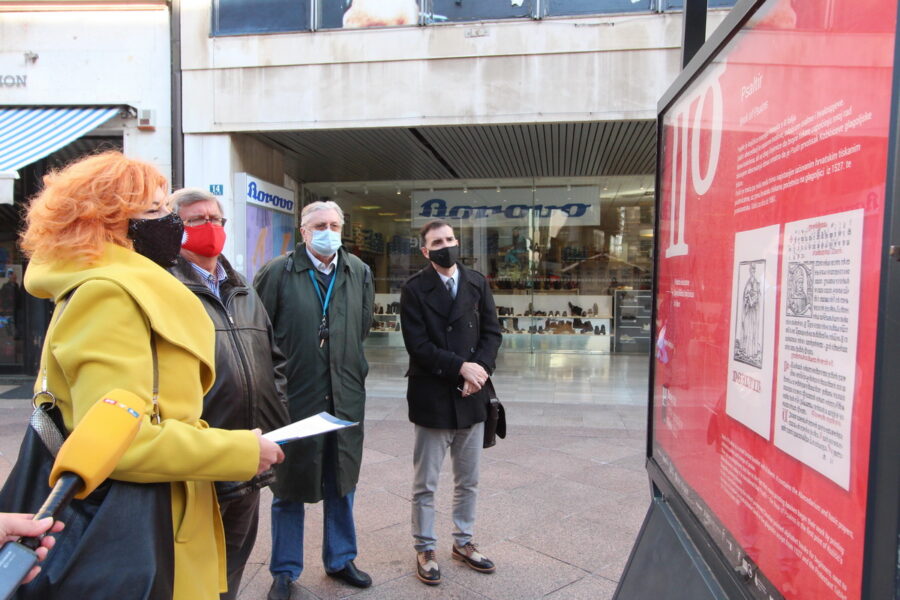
451, 288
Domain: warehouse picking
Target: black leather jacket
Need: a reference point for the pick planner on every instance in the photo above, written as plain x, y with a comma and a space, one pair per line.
249, 390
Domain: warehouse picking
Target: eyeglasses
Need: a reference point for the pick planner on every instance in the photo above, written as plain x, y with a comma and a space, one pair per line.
198, 221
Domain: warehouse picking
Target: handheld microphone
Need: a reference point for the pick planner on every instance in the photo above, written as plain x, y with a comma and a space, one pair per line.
87, 457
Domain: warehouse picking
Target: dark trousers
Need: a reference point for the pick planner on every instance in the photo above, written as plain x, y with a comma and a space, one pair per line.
241, 519
338, 533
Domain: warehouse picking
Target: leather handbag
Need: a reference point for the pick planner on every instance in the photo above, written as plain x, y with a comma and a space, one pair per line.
117, 543
495, 425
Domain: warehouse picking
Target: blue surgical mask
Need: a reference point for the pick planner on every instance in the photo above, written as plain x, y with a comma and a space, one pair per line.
325, 241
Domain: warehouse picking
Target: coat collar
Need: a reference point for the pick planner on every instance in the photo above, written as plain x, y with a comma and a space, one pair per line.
183, 271
153, 288
303, 263
439, 299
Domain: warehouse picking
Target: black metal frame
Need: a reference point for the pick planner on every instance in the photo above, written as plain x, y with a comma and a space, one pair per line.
881, 569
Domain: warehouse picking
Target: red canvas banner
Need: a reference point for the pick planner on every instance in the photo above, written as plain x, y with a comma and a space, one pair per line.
772, 186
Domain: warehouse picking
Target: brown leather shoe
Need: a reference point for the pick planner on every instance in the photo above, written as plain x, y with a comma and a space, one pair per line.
474, 559
427, 569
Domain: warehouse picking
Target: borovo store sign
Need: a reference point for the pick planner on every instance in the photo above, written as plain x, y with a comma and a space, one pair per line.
772, 203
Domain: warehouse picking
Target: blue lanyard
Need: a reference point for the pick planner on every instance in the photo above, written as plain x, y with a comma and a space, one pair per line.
327, 299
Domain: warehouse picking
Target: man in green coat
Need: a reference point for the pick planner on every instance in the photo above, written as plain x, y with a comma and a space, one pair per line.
319, 298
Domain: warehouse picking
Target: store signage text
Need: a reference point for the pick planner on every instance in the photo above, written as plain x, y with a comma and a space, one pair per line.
14, 80
437, 209
274, 200
263, 193
501, 207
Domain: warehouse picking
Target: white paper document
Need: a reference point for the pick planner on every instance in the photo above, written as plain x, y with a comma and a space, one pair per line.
818, 331
308, 427
752, 344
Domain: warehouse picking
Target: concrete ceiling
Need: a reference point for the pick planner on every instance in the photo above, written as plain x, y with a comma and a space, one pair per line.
470, 152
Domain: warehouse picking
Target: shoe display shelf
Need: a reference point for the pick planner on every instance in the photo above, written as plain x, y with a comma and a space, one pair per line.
385, 331
555, 323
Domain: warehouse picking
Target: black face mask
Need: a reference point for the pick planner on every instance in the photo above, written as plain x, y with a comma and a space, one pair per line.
445, 257
157, 239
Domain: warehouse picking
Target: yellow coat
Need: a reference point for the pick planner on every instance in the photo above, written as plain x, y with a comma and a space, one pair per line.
101, 341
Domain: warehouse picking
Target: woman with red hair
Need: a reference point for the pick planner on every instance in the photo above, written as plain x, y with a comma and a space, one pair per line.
98, 235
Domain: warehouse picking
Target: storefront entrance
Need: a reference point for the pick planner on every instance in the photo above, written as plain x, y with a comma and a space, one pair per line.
569, 259
24, 318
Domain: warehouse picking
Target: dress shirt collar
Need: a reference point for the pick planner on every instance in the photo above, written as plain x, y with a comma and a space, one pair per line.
319, 265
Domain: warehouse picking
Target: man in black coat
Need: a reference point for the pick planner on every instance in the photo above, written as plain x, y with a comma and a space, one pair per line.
452, 335
249, 391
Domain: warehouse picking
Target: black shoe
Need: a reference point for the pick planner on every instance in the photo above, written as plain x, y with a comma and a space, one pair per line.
281, 587
427, 569
472, 558
350, 574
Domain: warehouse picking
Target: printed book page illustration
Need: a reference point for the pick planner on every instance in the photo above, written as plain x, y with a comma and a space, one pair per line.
818, 336
752, 333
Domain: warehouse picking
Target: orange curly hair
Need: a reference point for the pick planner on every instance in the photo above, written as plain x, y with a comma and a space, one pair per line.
87, 204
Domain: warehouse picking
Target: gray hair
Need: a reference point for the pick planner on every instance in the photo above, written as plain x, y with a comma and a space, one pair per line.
187, 196
312, 207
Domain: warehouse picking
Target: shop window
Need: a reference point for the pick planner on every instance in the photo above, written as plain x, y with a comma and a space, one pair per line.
235, 17
360, 14
555, 252
593, 7
443, 11
674, 5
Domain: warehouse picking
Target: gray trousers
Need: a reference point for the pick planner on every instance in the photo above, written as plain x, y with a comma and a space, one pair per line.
465, 453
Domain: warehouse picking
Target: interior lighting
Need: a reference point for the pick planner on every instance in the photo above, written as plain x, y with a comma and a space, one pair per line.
370, 207
498, 189
402, 220
387, 214
465, 189
366, 190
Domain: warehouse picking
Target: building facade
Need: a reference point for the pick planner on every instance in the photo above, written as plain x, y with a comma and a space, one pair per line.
530, 126
75, 78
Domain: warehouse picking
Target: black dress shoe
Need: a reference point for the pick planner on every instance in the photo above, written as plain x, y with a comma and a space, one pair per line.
350, 574
281, 587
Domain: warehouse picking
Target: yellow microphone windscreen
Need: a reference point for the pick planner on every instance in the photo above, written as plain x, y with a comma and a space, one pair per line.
99, 440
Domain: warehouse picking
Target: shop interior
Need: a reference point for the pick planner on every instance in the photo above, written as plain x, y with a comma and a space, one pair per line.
569, 259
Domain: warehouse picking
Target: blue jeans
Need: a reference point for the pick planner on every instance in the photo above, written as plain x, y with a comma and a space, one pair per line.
338, 536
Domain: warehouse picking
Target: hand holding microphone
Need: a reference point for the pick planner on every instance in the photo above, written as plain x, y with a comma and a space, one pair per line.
15, 525
87, 457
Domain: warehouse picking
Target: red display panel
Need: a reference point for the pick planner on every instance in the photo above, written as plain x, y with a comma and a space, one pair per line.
772, 186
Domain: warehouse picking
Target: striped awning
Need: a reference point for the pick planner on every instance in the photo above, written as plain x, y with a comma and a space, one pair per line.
29, 134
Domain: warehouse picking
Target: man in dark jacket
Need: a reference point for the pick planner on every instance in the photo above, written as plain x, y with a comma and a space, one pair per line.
320, 299
249, 391
452, 335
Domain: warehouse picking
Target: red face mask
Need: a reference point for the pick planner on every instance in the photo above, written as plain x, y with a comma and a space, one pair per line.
205, 240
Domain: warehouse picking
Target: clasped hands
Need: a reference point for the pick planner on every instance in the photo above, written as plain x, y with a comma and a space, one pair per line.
474, 377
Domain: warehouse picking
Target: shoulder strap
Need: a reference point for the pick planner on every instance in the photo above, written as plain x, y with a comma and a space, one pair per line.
288, 267
44, 397
45, 420
155, 416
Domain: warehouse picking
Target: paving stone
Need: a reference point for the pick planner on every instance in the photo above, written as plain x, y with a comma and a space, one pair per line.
587, 588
